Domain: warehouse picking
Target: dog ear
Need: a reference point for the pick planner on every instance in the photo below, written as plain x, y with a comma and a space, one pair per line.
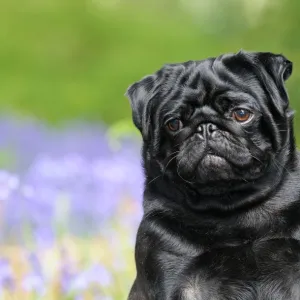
280, 69
140, 95
277, 65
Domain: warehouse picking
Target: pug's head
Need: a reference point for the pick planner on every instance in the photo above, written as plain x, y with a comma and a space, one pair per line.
215, 124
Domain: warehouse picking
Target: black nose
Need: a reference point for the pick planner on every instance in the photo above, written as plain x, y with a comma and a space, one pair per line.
206, 130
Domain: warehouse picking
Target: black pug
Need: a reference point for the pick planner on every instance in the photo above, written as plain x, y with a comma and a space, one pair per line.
222, 191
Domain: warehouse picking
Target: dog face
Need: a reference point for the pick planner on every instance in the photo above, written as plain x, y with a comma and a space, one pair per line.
216, 122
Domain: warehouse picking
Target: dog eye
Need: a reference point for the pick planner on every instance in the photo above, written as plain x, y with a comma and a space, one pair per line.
174, 125
241, 115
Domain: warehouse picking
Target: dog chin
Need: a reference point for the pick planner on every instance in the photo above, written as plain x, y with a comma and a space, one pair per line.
213, 161
213, 168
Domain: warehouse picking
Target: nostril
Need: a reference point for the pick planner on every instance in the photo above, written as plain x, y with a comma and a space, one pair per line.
207, 129
200, 129
211, 128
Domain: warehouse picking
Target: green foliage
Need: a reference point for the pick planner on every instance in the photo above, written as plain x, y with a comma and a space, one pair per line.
63, 59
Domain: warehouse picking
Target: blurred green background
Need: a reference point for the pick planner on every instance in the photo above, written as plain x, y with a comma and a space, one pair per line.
66, 59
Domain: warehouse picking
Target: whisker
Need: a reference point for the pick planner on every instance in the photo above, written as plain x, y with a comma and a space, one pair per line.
277, 162
165, 170
151, 181
240, 143
175, 152
181, 176
154, 179
256, 158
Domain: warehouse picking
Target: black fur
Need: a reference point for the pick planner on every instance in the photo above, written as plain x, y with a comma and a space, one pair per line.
222, 198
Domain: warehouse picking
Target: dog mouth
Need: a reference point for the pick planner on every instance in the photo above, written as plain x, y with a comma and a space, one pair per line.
211, 156
213, 160
216, 163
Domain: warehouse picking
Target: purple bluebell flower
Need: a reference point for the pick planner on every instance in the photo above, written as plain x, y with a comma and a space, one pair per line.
8, 184
44, 236
95, 275
35, 264
75, 164
68, 272
35, 281
7, 280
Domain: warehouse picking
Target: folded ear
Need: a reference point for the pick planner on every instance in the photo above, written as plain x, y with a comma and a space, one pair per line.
280, 69
140, 95
277, 65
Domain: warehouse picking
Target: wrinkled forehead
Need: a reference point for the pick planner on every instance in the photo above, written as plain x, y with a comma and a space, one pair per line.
203, 82
208, 79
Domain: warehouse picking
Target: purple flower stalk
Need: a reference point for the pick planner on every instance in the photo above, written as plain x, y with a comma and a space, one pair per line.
7, 280
34, 281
